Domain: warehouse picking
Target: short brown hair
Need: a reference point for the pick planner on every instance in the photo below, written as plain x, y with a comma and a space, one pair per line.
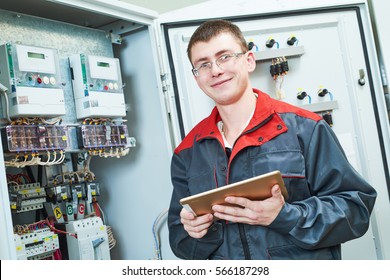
209, 29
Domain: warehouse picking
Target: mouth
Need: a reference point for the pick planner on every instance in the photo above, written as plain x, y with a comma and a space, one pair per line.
219, 83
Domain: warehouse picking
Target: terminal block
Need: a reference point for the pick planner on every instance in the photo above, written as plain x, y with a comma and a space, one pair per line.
27, 197
103, 136
92, 190
35, 138
59, 193
78, 191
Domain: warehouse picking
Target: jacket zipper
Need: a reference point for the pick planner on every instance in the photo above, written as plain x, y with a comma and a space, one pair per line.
241, 227
244, 242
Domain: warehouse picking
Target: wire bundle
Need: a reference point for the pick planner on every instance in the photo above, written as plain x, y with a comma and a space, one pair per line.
157, 244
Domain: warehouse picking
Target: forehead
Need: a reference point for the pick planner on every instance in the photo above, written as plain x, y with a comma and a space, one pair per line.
220, 43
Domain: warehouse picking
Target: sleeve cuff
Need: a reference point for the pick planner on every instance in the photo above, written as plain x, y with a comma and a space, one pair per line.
287, 218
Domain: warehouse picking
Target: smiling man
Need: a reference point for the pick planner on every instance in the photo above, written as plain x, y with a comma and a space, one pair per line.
249, 134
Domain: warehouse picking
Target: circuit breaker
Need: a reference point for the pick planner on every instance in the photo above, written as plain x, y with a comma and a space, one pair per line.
97, 86
91, 242
26, 197
37, 244
33, 79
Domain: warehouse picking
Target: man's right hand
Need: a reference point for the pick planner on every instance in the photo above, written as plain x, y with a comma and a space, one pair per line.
196, 226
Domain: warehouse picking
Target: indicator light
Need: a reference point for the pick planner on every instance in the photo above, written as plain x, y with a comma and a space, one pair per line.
53, 81
46, 80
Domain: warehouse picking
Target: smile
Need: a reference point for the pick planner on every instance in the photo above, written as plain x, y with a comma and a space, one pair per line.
220, 82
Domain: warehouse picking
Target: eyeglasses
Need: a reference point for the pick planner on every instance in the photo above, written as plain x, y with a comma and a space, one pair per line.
222, 61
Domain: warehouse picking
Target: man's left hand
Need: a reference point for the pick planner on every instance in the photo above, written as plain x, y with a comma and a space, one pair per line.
251, 212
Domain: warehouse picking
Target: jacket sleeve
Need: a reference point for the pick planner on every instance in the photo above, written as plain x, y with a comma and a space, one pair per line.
341, 203
183, 245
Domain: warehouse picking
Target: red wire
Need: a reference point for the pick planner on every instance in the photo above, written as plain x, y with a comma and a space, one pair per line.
97, 210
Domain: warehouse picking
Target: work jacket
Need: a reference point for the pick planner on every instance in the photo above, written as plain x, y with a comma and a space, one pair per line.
329, 202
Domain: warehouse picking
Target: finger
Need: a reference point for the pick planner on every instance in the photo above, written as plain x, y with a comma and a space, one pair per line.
198, 228
187, 214
229, 210
241, 201
196, 221
276, 191
197, 234
234, 219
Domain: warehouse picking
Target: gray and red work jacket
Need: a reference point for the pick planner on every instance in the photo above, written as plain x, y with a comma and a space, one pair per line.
329, 202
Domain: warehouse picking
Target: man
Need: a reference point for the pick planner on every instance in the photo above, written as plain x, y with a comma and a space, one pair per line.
248, 134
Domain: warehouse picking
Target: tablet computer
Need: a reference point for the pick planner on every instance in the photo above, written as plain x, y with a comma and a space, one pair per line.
255, 188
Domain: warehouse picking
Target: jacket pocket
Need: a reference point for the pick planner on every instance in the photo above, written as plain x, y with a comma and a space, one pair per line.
201, 182
293, 252
292, 166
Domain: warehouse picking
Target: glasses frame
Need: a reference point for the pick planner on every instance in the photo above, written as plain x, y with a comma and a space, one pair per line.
208, 65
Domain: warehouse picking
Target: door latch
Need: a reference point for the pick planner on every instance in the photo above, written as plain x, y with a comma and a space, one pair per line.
361, 80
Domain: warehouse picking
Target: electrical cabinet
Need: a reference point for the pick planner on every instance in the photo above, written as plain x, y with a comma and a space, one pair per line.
333, 61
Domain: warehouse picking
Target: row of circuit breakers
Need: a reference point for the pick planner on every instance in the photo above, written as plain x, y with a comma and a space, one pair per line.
32, 78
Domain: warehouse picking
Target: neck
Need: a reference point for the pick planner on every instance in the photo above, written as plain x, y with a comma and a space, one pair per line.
235, 116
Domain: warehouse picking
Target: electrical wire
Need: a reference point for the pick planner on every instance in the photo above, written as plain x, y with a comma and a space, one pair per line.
110, 234
23, 229
3, 90
111, 239
157, 244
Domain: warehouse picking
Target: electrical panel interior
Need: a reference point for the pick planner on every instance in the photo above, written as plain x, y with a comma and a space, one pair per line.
49, 138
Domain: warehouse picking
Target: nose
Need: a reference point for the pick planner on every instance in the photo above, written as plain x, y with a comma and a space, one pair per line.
216, 70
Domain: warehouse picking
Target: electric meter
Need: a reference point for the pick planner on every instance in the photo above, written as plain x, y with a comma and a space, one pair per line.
32, 77
97, 86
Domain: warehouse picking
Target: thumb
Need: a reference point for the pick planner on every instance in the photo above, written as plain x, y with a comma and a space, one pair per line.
276, 191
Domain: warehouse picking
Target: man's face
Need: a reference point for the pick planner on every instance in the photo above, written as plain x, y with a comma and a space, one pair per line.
224, 84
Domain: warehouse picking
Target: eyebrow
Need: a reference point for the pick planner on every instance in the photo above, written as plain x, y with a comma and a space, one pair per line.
218, 54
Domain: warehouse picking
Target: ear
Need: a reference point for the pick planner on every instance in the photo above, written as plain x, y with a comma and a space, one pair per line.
251, 61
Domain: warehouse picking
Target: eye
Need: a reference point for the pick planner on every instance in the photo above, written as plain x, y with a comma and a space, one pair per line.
204, 66
224, 57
